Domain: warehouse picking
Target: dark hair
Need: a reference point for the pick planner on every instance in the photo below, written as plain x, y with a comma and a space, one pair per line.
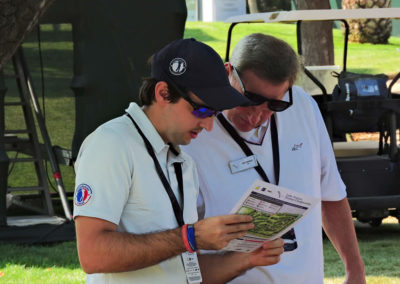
269, 58
147, 92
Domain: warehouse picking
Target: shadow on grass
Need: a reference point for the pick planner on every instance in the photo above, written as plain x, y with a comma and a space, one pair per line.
49, 33
54, 88
57, 65
365, 232
57, 56
200, 34
50, 36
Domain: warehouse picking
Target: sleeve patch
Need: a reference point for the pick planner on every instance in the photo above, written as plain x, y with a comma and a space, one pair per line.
83, 194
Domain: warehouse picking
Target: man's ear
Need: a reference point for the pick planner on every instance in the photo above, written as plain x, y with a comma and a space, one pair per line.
228, 67
229, 72
161, 92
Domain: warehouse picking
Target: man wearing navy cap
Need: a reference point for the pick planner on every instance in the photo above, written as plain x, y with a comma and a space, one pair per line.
136, 192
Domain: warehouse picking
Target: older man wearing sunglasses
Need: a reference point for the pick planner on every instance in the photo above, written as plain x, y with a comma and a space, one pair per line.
284, 132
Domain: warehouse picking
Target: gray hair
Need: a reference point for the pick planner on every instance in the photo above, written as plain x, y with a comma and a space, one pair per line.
269, 58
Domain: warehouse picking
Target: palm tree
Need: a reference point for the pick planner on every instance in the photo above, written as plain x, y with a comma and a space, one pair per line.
369, 30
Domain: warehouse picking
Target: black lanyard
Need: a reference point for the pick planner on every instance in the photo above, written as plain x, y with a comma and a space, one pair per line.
178, 211
290, 235
239, 140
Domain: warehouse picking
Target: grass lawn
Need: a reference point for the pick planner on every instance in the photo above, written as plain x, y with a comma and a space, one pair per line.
379, 248
384, 59
58, 263
40, 264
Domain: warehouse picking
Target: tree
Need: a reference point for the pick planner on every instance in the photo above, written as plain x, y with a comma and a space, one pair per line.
369, 30
17, 19
259, 6
317, 38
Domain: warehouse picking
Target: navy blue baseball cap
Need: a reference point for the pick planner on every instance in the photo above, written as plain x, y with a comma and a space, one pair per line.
196, 67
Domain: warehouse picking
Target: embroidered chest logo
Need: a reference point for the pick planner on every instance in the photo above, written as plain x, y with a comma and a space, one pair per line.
297, 146
82, 195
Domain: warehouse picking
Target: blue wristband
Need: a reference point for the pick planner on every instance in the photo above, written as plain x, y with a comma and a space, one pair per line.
191, 237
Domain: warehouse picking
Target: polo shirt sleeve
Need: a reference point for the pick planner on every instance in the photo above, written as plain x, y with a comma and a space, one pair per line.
103, 176
332, 186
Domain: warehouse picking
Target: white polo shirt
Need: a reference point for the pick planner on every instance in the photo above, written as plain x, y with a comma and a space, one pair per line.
116, 181
307, 165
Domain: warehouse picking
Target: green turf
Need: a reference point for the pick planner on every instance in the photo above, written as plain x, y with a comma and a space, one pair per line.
40, 264
379, 248
368, 58
59, 263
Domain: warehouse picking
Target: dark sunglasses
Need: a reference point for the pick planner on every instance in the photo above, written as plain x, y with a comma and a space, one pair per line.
274, 105
199, 111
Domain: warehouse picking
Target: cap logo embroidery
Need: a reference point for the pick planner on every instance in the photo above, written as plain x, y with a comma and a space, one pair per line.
177, 66
82, 195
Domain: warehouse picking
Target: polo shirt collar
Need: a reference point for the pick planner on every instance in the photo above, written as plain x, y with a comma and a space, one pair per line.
150, 131
255, 134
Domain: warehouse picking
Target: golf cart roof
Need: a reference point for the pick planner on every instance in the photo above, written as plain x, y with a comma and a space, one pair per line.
316, 15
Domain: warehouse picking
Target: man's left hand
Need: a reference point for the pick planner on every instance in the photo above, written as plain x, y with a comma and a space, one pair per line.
268, 254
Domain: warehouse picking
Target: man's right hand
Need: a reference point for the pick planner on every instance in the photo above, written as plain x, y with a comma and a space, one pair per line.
215, 233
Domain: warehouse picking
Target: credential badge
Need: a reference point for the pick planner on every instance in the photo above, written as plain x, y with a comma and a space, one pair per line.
177, 66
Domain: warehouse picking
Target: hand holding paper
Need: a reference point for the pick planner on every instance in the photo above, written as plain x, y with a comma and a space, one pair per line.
216, 232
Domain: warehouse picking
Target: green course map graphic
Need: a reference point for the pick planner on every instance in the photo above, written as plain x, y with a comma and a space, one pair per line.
266, 225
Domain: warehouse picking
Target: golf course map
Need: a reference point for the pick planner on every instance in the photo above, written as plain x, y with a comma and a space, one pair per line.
266, 225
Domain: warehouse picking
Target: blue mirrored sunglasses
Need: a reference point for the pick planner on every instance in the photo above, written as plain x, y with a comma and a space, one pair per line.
199, 111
